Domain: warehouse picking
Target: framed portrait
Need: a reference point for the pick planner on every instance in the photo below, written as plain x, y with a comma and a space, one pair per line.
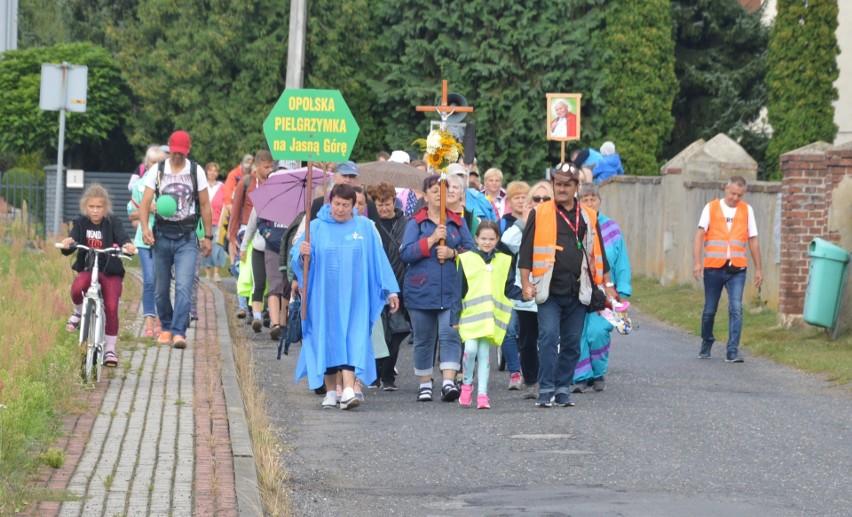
563, 116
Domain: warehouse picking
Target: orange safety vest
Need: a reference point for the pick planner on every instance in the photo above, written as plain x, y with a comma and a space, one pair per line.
544, 240
718, 239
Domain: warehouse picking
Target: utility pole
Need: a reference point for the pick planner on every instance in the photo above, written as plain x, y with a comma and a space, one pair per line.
296, 44
8, 25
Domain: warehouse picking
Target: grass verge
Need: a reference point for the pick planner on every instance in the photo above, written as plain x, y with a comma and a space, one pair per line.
39, 369
273, 478
806, 348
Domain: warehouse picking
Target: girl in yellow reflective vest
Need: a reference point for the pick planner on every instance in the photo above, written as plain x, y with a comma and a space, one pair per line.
488, 281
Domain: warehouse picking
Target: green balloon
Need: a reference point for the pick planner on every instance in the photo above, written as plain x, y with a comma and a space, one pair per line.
166, 206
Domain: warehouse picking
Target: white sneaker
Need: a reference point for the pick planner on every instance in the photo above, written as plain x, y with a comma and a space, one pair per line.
349, 400
330, 400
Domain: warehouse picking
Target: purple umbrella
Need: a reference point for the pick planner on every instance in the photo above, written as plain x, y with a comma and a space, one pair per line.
282, 196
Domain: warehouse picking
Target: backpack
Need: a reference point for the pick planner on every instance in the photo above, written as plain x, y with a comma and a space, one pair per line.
272, 233
195, 219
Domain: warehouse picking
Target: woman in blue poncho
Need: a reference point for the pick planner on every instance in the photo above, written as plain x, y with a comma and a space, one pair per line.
349, 281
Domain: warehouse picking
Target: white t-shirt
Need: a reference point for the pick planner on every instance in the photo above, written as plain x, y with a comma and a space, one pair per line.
179, 186
728, 212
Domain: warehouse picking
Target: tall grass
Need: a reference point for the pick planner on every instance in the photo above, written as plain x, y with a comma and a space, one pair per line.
38, 363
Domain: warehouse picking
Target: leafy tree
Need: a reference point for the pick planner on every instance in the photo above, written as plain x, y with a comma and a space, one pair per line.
503, 56
92, 20
720, 52
25, 128
639, 83
41, 24
802, 69
341, 56
213, 68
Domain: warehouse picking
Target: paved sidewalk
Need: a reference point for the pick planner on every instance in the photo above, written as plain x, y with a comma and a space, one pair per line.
164, 433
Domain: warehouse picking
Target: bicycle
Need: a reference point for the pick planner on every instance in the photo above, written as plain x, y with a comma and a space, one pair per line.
93, 319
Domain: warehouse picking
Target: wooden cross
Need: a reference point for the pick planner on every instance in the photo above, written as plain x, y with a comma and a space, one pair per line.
444, 111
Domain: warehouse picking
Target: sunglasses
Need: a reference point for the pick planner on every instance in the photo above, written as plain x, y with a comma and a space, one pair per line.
541, 199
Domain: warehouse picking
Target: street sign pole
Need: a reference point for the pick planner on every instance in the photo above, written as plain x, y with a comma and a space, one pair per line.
57, 200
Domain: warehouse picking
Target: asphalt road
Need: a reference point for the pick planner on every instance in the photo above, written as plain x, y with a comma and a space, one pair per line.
671, 435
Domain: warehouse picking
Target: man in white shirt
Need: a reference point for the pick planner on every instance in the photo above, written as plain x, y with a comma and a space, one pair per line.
174, 239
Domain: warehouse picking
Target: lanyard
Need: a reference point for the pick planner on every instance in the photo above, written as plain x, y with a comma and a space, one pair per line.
576, 226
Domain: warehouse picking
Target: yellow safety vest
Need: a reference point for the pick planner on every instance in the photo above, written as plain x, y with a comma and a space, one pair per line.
485, 308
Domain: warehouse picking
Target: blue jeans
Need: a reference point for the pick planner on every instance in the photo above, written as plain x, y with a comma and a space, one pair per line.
560, 324
429, 325
510, 345
714, 281
180, 252
146, 260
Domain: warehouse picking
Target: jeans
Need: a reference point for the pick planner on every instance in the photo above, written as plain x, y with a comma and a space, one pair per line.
560, 324
146, 260
180, 252
510, 345
429, 325
714, 281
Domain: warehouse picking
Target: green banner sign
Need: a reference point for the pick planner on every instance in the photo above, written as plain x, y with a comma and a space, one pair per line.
311, 126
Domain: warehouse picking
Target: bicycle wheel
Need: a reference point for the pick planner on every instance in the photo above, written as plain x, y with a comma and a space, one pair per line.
97, 361
85, 338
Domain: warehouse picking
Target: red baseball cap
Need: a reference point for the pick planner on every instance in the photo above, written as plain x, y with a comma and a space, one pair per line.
180, 142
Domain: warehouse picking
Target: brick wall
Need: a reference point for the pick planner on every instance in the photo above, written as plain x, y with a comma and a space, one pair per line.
806, 192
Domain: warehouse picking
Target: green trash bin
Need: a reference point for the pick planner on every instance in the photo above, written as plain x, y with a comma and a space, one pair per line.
826, 276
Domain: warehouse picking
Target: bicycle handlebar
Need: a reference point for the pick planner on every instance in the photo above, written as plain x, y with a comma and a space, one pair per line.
117, 252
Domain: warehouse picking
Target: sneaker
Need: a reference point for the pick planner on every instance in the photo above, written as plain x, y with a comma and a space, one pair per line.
466, 395
577, 388
599, 384
450, 393
320, 391
256, 326
530, 391
165, 338
543, 400
734, 358
73, 323
110, 360
389, 386
216, 277
350, 399
275, 332
359, 396
563, 400
193, 315
241, 314
482, 402
330, 400
515, 381
705, 350
425, 394
375, 385
179, 342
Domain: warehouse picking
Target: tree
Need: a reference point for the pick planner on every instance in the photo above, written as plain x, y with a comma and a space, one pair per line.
802, 69
214, 69
720, 53
639, 83
25, 128
340, 47
503, 56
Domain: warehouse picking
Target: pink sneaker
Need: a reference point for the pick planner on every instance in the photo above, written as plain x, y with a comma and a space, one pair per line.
482, 402
466, 395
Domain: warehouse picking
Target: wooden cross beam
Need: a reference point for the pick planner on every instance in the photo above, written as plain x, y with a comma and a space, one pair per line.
444, 108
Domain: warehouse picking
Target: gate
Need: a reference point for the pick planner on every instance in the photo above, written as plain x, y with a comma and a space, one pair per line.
23, 200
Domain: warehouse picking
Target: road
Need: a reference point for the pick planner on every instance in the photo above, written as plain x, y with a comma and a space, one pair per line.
671, 435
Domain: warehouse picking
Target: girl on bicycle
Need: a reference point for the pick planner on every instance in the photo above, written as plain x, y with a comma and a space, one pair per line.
97, 228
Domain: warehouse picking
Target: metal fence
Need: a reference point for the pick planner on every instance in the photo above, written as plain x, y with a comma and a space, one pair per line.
23, 200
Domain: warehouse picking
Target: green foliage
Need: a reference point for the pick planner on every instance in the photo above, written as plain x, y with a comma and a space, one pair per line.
503, 56
802, 69
720, 52
639, 82
19, 186
341, 55
213, 68
24, 127
41, 24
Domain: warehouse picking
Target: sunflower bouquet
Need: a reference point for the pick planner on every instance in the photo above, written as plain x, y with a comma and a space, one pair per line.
440, 148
